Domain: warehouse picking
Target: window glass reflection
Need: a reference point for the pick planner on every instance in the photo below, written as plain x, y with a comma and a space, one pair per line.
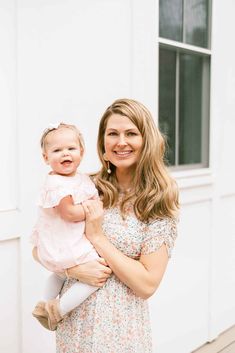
190, 109
171, 19
196, 22
167, 96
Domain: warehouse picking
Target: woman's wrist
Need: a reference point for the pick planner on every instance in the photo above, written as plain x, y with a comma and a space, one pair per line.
73, 272
100, 244
97, 239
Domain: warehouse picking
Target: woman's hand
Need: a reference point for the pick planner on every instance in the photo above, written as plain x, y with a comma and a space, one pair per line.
94, 217
94, 272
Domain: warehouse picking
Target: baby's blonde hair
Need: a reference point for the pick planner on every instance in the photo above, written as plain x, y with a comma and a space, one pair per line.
48, 130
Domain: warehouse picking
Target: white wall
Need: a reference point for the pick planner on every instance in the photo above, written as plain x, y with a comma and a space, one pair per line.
74, 59
201, 304
9, 213
223, 121
68, 60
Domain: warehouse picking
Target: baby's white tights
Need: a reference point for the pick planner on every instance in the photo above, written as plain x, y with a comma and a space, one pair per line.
73, 297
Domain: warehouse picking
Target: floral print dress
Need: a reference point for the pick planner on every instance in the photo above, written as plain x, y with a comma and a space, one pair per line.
113, 319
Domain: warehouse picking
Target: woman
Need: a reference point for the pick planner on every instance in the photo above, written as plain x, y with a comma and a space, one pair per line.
134, 233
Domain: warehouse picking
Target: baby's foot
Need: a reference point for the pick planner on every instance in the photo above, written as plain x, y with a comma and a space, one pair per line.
41, 314
48, 314
54, 315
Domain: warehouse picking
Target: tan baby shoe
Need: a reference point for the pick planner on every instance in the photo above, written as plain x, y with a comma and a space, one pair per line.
48, 314
53, 311
41, 314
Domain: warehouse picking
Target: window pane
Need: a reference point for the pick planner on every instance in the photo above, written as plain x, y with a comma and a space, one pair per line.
191, 109
167, 74
196, 22
170, 19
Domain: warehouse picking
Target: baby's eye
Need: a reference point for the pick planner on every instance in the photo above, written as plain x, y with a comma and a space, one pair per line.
56, 150
72, 148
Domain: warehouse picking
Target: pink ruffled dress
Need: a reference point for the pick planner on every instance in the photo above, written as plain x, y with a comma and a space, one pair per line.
62, 244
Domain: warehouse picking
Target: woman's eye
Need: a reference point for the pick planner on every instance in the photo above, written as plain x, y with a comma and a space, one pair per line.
112, 134
131, 133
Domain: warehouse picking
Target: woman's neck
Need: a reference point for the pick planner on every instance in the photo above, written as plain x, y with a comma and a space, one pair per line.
125, 181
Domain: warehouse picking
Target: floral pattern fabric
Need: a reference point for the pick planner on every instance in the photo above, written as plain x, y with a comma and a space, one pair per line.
113, 319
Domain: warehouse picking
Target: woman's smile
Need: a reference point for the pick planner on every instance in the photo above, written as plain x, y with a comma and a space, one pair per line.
123, 154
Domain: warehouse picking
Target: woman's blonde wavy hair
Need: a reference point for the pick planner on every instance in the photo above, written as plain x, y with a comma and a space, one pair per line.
155, 193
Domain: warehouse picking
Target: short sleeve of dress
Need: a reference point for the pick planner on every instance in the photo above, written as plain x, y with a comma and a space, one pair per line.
158, 232
53, 191
86, 190
56, 187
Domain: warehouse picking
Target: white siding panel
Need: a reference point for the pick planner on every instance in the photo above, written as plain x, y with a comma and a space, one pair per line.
10, 297
8, 104
180, 307
223, 294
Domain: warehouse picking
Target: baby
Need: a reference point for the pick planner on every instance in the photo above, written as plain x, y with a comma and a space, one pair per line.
59, 231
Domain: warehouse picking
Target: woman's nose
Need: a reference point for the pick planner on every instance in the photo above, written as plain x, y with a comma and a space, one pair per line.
122, 140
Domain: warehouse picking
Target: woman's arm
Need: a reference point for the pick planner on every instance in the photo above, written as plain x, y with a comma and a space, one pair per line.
94, 272
69, 211
142, 276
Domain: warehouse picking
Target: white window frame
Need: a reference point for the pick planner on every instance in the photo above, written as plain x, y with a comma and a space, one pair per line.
188, 48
